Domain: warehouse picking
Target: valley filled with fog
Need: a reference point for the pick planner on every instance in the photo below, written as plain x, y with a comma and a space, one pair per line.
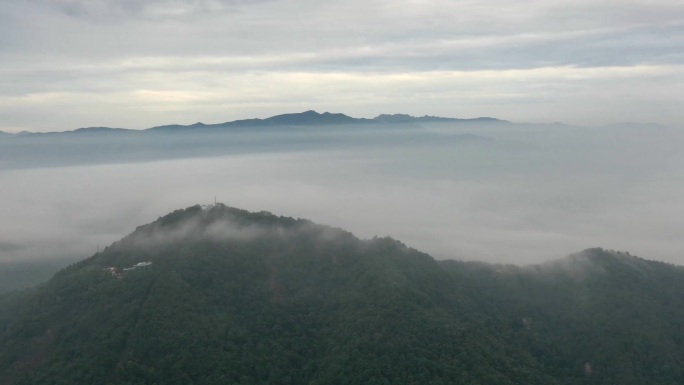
506, 193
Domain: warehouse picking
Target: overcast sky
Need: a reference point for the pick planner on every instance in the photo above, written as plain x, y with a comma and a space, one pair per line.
135, 64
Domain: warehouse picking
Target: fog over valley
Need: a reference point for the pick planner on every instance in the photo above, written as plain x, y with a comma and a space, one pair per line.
497, 192
467, 188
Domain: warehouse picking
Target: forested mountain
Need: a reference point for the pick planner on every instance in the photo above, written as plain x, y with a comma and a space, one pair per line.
217, 295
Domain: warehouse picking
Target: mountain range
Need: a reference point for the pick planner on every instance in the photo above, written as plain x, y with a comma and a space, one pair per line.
307, 118
290, 132
218, 295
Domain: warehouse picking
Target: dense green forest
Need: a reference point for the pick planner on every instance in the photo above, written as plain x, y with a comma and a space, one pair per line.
234, 297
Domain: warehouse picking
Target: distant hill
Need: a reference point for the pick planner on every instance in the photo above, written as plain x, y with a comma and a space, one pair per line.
313, 118
403, 118
97, 130
290, 132
89, 131
218, 295
307, 118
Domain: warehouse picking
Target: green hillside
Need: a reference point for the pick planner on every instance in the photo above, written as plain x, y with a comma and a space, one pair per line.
223, 296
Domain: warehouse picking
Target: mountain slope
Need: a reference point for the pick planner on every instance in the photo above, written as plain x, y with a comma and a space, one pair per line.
616, 316
237, 297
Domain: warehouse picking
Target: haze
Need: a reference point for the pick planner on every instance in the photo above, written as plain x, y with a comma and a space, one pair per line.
507, 193
515, 193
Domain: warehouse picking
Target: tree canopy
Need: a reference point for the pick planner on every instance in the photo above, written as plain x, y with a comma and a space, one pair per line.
234, 297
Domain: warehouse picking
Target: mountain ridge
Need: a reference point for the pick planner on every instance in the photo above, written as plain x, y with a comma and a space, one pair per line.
313, 118
306, 118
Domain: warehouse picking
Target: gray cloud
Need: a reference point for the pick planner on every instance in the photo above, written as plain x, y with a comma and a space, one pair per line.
155, 9
193, 230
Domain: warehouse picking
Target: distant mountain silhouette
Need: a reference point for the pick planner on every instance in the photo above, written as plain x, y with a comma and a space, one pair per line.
403, 118
313, 118
97, 130
301, 119
289, 132
307, 118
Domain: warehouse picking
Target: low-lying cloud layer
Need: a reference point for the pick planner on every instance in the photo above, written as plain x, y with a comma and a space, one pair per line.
530, 194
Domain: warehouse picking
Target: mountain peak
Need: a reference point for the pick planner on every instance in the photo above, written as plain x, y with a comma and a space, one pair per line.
598, 263
311, 117
395, 118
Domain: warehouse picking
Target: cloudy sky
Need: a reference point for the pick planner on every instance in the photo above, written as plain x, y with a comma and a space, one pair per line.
128, 63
